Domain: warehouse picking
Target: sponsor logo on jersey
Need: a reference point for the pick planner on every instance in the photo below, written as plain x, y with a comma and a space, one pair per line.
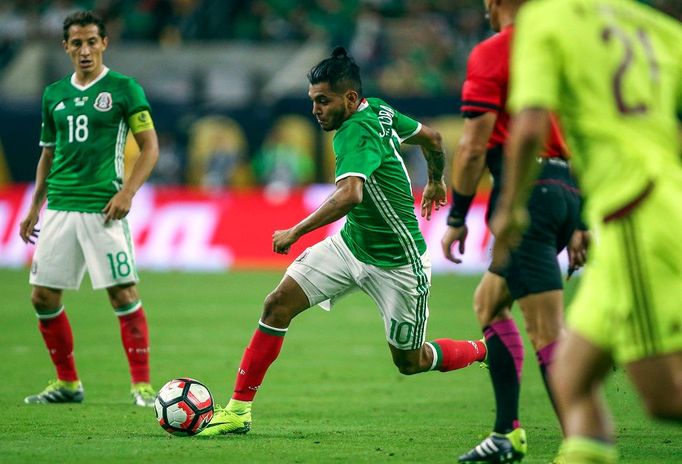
103, 101
80, 101
60, 106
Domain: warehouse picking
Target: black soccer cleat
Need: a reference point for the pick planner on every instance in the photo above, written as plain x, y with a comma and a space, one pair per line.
498, 448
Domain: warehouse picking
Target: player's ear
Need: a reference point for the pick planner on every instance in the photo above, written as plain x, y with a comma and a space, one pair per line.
352, 98
65, 44
105, 43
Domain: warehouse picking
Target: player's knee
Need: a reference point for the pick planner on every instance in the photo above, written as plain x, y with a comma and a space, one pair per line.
480, 310
408, 365
275, 310
535, 336
482, 307
121, 295
43, 300
408, 368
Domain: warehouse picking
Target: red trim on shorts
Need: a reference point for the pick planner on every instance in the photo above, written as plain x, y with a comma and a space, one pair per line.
560, 183
629, 207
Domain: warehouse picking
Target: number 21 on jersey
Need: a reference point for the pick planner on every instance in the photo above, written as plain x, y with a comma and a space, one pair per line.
631, 42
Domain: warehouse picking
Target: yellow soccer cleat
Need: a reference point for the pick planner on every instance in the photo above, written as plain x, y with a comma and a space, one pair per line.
228, 421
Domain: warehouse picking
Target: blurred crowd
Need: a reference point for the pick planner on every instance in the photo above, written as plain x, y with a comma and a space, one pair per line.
404, 47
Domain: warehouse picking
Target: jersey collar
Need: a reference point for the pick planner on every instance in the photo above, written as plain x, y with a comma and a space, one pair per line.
104, 72
363, 105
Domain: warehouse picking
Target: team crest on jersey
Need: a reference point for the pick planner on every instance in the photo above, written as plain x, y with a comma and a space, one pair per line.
103, 101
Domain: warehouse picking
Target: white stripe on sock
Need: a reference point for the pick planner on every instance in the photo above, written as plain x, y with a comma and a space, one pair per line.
435, 355
44, 317
277, 329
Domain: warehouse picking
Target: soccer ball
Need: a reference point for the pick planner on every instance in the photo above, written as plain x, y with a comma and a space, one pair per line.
184, 407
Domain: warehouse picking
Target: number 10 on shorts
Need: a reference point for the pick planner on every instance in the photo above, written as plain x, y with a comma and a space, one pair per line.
120, 267
401, 332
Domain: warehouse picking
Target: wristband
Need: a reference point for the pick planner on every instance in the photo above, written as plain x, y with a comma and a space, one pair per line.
459, 209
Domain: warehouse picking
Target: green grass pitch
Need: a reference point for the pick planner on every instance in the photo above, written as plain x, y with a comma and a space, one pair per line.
332, 396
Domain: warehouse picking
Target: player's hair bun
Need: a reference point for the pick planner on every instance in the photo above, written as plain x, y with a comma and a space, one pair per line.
339, 53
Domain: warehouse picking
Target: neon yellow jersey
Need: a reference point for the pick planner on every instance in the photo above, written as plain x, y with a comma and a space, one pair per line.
612, 70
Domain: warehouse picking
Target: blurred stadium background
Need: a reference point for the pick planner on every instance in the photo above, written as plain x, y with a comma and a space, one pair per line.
226, 80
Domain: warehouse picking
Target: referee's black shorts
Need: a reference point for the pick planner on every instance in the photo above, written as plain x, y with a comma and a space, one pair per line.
554, 210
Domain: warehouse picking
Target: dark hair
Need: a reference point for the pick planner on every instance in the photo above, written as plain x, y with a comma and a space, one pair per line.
340, 71
84, 18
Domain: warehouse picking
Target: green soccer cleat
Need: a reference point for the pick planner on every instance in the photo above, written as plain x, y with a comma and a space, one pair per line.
143, 395
499, 448
226, 421
58, 391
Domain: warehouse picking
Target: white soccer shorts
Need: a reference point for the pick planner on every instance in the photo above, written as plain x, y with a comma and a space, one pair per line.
328, 270
70, 241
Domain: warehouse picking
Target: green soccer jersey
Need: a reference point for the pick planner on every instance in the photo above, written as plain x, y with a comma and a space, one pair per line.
612, 69
383, 229
87, 126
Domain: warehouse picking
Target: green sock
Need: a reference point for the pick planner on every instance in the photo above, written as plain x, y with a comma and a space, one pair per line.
70, 385
583, 450
238, 406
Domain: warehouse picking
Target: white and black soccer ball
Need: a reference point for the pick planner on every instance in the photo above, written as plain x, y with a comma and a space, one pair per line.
184, 407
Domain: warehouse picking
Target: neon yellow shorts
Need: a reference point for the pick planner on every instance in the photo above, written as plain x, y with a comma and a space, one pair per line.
630, 299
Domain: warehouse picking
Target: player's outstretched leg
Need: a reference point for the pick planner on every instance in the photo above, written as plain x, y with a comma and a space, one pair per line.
499, 448
262, 351
450, 355
235, 418
280, 307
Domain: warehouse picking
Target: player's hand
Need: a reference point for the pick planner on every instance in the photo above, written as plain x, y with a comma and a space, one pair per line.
577, 249
27, 227
434, 196
282, 240
452, 235
507, 225
118, 207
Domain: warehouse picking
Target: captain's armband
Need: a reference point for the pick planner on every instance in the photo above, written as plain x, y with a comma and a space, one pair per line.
140, 121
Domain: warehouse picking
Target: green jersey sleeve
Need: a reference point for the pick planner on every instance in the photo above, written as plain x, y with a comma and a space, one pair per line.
136, 99
357, 151
48, 133
535, 70
405, 126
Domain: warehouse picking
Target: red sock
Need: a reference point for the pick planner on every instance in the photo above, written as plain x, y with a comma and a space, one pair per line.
56, 332
261, 352
456, 354
135, 338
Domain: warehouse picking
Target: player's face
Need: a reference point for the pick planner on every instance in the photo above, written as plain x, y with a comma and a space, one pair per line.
331, 109
85, 47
